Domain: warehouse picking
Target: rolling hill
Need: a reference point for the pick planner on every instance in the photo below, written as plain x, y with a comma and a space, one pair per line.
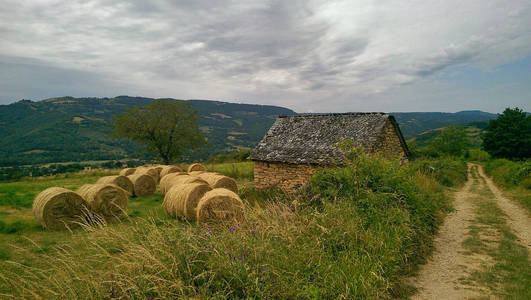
78, 129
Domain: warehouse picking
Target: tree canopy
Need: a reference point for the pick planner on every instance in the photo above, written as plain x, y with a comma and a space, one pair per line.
451, 141
167, 128
509, 136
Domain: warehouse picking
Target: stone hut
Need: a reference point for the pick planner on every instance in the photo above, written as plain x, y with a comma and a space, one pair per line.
295, 147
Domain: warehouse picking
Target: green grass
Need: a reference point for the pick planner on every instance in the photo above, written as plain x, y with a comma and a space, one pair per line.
449, 171
510, 275
357, 240
20, 194
514, 177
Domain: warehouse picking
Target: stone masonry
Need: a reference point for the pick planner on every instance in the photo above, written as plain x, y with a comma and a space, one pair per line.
389, 145
281, 175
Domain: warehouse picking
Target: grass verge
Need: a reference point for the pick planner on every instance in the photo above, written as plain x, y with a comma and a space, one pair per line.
510, 274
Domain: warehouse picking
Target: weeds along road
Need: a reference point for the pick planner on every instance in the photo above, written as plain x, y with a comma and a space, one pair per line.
482, 249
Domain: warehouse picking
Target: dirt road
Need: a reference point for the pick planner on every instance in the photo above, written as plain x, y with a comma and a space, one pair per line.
447, 273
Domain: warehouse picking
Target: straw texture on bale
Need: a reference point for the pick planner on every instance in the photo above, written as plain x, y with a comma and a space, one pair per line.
158, 168
122, 181
107, 200
127, 171
216, 180
143, 185
169, 169
57, 208
181, 201
196, 173
196, 167
219, 206
164, 181
151, 171
180, 180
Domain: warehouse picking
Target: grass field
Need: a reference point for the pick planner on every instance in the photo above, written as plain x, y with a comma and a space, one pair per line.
18, 227
319, 244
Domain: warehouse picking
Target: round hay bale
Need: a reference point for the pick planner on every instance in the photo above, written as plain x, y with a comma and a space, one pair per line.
164, 181
219, 206
122, 181
158, 168
169, 169
57, 208
143, 184
196, 173
107, 200
181, 200
196, 167
151, 171
127, 171
219, 181
180, 180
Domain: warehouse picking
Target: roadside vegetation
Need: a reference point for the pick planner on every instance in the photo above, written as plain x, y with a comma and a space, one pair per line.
506, 154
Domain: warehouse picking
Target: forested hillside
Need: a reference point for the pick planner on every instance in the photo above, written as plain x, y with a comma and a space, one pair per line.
78, 129
413, 123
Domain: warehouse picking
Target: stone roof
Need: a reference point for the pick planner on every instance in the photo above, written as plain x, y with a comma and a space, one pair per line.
311, 139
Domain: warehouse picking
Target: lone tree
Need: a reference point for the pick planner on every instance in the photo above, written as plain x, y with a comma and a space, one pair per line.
509, 135
167, 128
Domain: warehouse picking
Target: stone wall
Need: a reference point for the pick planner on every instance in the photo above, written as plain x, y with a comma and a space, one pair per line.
285, 176
389, 144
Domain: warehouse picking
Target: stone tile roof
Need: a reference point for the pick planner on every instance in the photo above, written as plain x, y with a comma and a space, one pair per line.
310, 139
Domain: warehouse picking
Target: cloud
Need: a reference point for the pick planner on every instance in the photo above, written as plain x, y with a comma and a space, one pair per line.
307, 55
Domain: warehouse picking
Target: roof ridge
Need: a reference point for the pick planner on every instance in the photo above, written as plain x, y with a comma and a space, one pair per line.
332, 114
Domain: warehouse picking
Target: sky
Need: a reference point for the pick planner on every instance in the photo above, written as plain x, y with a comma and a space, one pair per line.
310, 56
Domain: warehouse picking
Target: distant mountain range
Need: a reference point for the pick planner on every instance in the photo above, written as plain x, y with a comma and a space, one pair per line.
77, 129
413, 123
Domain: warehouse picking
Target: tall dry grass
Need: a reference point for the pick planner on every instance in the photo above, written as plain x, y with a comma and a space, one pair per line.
356, 240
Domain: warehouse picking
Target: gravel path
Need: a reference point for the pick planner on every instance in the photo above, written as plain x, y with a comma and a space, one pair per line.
439, 278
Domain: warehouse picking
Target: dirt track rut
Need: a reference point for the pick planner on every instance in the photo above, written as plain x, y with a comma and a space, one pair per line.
442, 276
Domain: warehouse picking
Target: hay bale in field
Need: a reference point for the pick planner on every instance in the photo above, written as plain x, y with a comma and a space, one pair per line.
122, 181
57, 208
158, 168
143, 184
181, 200
127, 171
216, 180
219, 206
196, 167
196, 173
165, 181
107, 200
151, 171
169, 169
180, 180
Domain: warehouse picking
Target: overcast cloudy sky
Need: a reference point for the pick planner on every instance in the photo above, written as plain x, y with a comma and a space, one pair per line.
311, 56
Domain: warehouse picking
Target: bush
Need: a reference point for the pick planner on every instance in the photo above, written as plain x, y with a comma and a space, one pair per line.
509, 173
477, 155
448, 171
397, 206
